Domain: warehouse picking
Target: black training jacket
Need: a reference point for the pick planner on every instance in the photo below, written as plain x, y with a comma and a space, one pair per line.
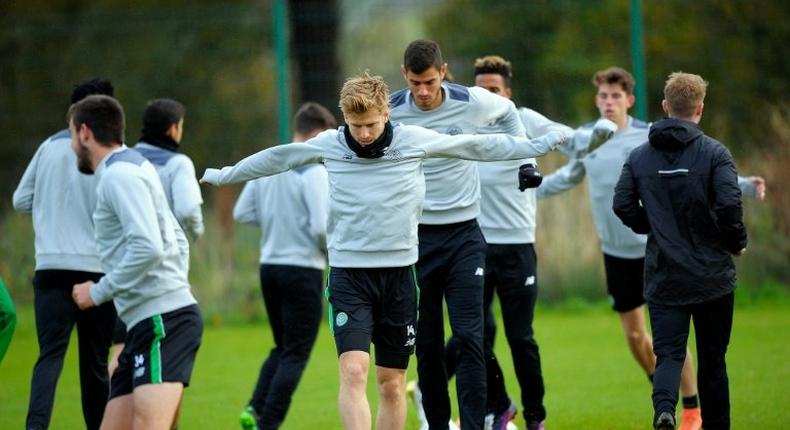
690, 210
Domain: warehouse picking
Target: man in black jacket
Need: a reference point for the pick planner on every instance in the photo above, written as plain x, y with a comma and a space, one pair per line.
691, 211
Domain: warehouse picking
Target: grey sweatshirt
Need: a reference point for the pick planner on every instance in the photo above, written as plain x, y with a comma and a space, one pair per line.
61, 200
141, 245
177, 174
453, 185
291, 210
375, 204
507, 215
602, 168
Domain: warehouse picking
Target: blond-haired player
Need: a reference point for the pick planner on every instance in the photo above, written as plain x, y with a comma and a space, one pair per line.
681, 189
376, 194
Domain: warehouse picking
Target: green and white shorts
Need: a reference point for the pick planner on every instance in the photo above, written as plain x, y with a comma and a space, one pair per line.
159, 349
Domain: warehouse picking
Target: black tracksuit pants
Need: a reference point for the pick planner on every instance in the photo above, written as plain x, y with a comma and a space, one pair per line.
56, 315
292, 296
712, 325
511, 272
451, 268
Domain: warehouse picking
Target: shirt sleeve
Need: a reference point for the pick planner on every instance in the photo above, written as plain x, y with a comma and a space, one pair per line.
269, 162
747, 187
626, 203
316, 195
25, 191
535, 124
485, 147
187, 199
245, 210
562, 179
727, 202
132, 203
491, 110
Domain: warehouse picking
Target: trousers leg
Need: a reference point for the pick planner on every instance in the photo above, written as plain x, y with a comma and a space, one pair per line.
94, 329
518, 292
713, 325
670, 334
497, 399
300, 316
272, 300
55, 314
429, 347
464, 297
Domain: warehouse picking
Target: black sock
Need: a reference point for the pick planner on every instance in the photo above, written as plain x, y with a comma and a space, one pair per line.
691, 402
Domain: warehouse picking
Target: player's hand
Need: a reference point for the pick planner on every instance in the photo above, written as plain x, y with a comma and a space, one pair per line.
210, 176
739, 253
529, 176
81, 293
759, 186
603, 130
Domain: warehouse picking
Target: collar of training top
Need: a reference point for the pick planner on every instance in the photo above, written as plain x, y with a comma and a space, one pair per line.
373, 150
160, 140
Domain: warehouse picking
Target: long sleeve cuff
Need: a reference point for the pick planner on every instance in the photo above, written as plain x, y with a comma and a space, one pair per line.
100, 292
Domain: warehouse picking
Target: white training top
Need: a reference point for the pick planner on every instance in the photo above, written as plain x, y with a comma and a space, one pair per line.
143, 250
177, 174
291, 210
61, 200
508, 215
452, 185
375, 204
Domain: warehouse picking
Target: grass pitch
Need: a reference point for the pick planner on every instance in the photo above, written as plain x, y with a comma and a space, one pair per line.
591, 380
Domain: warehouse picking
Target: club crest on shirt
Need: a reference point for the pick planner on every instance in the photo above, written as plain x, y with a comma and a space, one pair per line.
393, 155
348, 156
453, 130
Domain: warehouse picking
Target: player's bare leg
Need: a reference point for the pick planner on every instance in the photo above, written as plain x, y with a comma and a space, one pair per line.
353, 400
392, 400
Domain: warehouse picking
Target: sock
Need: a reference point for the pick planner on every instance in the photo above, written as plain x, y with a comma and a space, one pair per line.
691, 402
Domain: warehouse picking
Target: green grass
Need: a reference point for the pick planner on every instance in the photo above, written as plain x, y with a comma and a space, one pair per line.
592, 383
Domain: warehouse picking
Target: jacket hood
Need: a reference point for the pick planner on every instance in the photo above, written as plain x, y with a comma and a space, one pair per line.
672, 134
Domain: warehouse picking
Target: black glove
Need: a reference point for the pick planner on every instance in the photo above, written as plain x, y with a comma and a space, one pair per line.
529, 176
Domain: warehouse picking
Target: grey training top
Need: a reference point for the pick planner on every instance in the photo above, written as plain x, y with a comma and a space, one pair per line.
61, 200
179, 182
375, 204
602, 168
508, 215
452, 185
143, 250
291, 210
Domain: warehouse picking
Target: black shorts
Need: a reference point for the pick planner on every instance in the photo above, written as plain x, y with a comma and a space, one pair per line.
377, 305
119, 332
159, 349
624, 282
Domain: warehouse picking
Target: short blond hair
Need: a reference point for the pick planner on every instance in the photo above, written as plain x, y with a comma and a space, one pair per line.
364, 93
683, 93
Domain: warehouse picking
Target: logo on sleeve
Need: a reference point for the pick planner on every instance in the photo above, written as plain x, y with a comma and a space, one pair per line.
341, 319
479, 272
530, 281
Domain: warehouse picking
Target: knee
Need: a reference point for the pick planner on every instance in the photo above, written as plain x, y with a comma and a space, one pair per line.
353, 373
468, 339
391, 389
